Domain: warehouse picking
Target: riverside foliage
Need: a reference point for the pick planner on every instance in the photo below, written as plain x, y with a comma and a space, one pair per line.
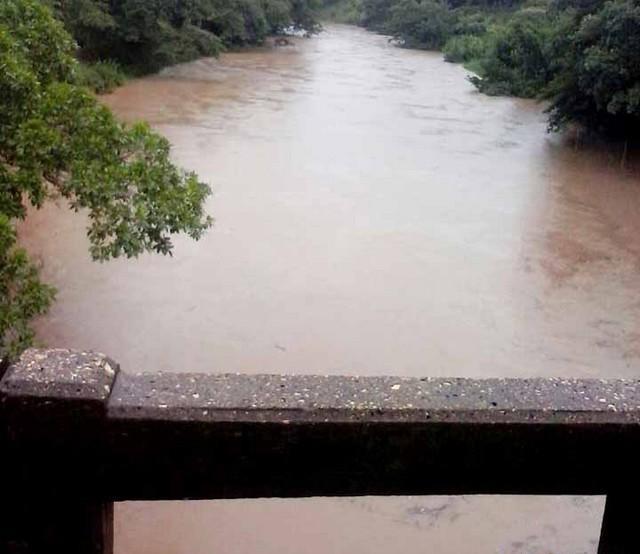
56, 140
146, 35
580, 55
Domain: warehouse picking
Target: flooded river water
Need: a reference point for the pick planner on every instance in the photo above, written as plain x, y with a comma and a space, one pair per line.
374, 215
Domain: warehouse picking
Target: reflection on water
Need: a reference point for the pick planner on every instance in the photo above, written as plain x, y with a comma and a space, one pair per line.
375, 215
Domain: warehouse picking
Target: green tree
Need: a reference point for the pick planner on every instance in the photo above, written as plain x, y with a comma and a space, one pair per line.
421, 23
517, 60
146, 35
376, 13
88, 21
150, 34
597, 74
342, 11
22, 295
57, 140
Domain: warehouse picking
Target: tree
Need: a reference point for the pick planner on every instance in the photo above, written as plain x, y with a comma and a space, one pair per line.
146, 35
597, 75
517, 61
376, 13
22, 295
421, 23
87, 20
57, 140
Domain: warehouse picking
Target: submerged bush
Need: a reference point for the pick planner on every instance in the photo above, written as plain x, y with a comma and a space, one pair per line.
100, 77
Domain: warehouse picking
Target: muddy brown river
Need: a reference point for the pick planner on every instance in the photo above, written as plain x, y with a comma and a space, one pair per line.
374, 215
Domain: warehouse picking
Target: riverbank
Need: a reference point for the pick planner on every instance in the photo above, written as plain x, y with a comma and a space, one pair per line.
375, 215
106, 76
115, 41
464, 33
572, 54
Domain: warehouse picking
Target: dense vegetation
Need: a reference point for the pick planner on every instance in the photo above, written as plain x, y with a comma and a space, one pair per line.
341, 11
146, 35
581, 55
56, 140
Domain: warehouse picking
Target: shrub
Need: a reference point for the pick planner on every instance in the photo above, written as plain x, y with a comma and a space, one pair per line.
517, 58
597, 80
146, 35
423, 24
470, 21
376, 14
464, 48
100, 77
343, 11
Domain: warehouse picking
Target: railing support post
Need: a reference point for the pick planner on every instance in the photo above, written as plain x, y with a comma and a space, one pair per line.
620, 524
41, 526
54, 496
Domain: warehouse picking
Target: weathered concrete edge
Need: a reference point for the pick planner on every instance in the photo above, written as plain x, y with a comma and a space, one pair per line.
60, 374
290, 399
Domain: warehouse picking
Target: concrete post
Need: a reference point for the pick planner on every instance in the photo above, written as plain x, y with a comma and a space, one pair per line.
52, 414
620, 524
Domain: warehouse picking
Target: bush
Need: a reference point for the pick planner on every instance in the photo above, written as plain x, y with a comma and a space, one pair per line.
464, 49
145, 35
100, 77
423, 24
376, 14
471, 21
517, 61
597, 80
342, 11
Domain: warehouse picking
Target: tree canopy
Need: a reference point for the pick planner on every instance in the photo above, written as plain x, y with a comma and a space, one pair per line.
596, 73
146, 35
57, 140
421, 24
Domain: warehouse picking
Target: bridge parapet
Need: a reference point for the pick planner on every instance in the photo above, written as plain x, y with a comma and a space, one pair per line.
79, 435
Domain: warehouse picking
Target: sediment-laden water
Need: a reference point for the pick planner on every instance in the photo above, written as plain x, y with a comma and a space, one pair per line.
375, 215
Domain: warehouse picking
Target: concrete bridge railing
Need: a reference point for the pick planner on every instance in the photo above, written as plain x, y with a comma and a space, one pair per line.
78, 435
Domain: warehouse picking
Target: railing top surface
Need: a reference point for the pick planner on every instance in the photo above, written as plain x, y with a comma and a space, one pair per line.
63, 374
291, 398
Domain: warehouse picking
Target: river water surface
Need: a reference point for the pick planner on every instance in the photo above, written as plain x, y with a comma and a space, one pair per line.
374, 215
